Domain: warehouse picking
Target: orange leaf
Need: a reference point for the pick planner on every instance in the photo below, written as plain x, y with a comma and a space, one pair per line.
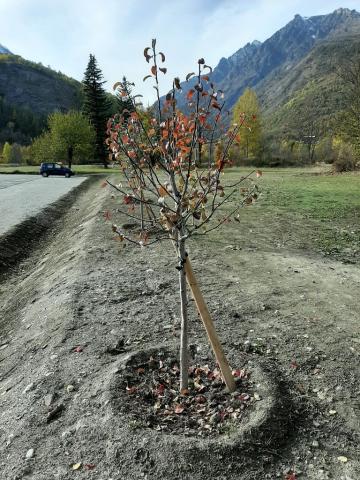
153, 70
163, 192
190, 94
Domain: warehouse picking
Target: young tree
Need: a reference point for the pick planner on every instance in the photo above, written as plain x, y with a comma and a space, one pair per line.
15, 155
304, 126
251, 137
6, 153
179, 200
96, 105
70, 136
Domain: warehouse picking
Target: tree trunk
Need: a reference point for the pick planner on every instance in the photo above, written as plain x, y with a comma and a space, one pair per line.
184, 353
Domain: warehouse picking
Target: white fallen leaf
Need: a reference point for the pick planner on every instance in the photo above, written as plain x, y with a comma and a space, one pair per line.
342, 459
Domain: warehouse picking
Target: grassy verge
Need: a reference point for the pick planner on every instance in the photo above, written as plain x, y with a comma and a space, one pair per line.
302, 209
78, 169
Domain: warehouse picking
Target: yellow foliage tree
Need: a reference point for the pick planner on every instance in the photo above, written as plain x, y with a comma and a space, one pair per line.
248, 107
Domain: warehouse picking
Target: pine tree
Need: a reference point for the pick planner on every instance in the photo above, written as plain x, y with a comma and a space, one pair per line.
127, 103
96, 105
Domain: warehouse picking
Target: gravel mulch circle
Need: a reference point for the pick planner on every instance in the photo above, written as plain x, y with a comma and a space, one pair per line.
204, 409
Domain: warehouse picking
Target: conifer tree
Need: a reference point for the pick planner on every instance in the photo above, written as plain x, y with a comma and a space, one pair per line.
96, 105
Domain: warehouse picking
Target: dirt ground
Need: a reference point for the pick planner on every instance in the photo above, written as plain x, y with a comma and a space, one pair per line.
293, 314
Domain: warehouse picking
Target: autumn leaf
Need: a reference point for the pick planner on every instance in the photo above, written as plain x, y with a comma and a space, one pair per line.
116, 85
163, 70
179, 409
153, 70
190, 94
162, 56
163, 192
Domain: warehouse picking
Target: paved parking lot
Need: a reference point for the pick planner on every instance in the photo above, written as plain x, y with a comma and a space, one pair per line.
22, 196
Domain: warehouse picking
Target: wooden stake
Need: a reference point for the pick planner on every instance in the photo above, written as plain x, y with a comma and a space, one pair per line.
209, 326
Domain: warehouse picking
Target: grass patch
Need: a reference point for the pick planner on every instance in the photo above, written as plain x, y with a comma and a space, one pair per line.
300, 208
34, 170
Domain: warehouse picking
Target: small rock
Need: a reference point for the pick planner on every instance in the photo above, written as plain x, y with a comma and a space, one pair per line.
48, 399
29, 453
315, 444
28, 388
70, 388
342, 459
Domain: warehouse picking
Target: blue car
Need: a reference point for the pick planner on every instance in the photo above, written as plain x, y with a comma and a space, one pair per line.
47, 169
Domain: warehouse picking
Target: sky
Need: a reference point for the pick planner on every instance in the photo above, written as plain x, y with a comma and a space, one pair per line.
62, 33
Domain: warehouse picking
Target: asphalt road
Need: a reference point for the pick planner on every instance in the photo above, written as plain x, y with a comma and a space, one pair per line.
22, 196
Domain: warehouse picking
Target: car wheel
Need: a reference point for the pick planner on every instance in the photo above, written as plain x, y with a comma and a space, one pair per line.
67, 175
44, 174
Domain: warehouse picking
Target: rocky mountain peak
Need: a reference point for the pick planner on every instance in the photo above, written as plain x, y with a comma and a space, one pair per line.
4, 50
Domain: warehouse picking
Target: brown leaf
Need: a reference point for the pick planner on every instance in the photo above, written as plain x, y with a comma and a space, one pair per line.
116, 85
163, 70
162, 56
153, 70
179, 409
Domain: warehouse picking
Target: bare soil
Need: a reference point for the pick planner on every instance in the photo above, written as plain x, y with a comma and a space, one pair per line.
81, 303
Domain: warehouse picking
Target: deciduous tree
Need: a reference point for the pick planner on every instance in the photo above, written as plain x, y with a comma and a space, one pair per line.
248, 107
70, 137
166, 192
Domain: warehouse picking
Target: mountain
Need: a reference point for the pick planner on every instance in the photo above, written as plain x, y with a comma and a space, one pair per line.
28, 93
41, 89
298, 60
4, 50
